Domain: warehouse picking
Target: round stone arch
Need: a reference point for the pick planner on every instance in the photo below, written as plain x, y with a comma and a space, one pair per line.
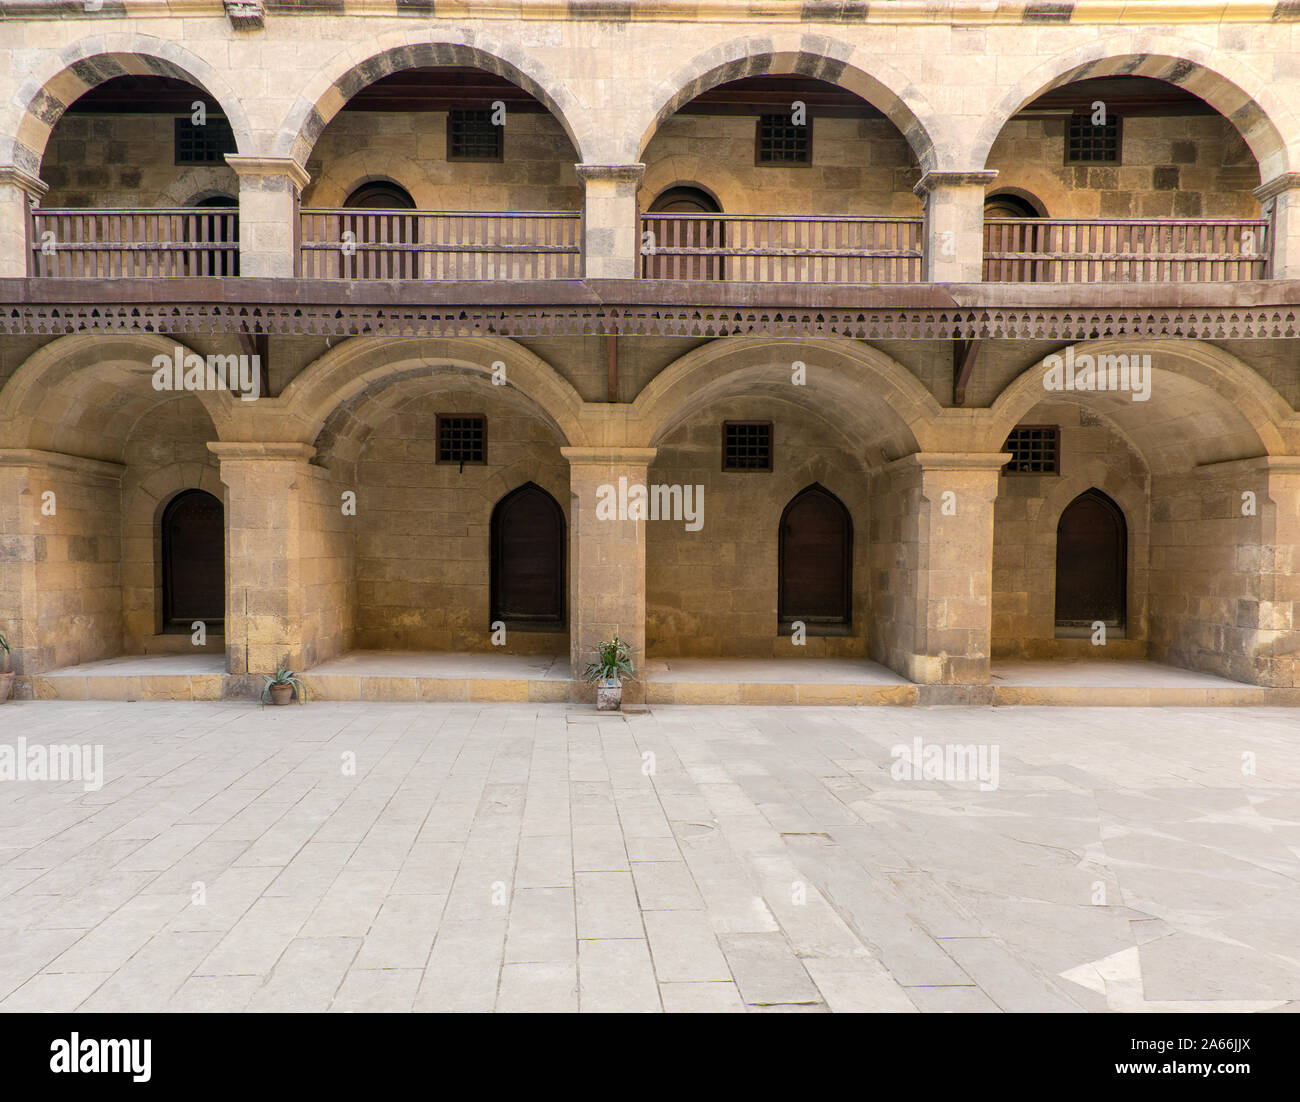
1225, 405
344, 373
881, 408
68, 395
349, 71
1241, 95
853, 68
46, 94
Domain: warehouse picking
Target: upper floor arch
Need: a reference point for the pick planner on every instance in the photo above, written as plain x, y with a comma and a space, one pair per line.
1240, 94
349, 71
849, 67
63, 78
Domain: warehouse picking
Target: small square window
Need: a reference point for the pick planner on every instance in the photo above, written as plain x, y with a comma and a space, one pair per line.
472, 136
462, 439
1035, 449
781, 142
203, 145
747, 445
1086, 144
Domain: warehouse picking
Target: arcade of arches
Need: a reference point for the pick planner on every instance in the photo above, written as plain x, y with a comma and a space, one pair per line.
392, 498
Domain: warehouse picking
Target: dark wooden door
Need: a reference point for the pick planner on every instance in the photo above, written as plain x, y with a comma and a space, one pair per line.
528, 559
816, 556
194, 559
1091, 562
384, 226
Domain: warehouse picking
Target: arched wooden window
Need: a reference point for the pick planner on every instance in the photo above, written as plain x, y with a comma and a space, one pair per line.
194, 560
528, 560
385, 226
686, 232
1091, 563
816, 560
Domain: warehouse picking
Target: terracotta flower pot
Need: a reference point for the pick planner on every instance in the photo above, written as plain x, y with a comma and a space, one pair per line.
6, 685
609, 696
281, 694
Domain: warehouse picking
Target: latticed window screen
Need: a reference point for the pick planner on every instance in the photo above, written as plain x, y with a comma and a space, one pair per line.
203, 145
462, 439
747, 445
780, 142
471, 136
1034, 450
1088, 144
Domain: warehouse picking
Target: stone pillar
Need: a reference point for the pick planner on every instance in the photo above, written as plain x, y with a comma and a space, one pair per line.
264, 550
269, 189
606, 558
953, 237
18, 190
611, 229
1280, 200
932, 535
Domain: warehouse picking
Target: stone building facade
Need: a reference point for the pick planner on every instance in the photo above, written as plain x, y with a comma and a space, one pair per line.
841, 333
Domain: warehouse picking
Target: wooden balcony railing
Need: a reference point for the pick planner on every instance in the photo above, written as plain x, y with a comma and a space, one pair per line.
1124, 250
388, 244
781, 249
104, 244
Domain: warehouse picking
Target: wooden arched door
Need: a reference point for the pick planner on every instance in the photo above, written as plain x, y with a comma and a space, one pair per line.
528, 560
194, 560
1091, 563
696, 231
384, 226
816, 560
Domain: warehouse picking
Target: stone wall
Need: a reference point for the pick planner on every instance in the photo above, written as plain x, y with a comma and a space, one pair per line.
422, 531
713, 593
859, 166
410, 148
125, 161
1028, 508
60, 573
1190, 166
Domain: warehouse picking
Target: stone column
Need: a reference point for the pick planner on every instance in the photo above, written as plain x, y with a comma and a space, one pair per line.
933, 553
611, 230
1280, 199
606, 558
269, 189
264, 550
954, 225
18, 190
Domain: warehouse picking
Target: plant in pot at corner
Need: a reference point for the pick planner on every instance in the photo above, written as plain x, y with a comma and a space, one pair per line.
6, 674
612, 667
279, 688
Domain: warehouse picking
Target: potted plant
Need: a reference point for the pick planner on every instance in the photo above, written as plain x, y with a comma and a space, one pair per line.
612, 667
280, 687
6, 674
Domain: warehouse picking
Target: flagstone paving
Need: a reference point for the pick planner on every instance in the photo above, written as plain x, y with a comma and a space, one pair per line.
436, 857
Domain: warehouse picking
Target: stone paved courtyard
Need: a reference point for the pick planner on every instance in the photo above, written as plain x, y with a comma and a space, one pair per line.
532, 857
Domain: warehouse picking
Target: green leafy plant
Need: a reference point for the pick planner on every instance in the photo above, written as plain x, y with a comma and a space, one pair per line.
283, 676
4, 646
613, 662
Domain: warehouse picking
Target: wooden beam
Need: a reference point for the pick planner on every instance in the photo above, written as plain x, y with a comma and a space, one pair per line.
964, 355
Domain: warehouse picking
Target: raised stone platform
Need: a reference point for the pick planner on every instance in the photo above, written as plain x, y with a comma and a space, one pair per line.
433, 677
1123, 682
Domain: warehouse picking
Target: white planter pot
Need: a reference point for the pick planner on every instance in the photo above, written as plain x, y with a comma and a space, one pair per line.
609, 695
